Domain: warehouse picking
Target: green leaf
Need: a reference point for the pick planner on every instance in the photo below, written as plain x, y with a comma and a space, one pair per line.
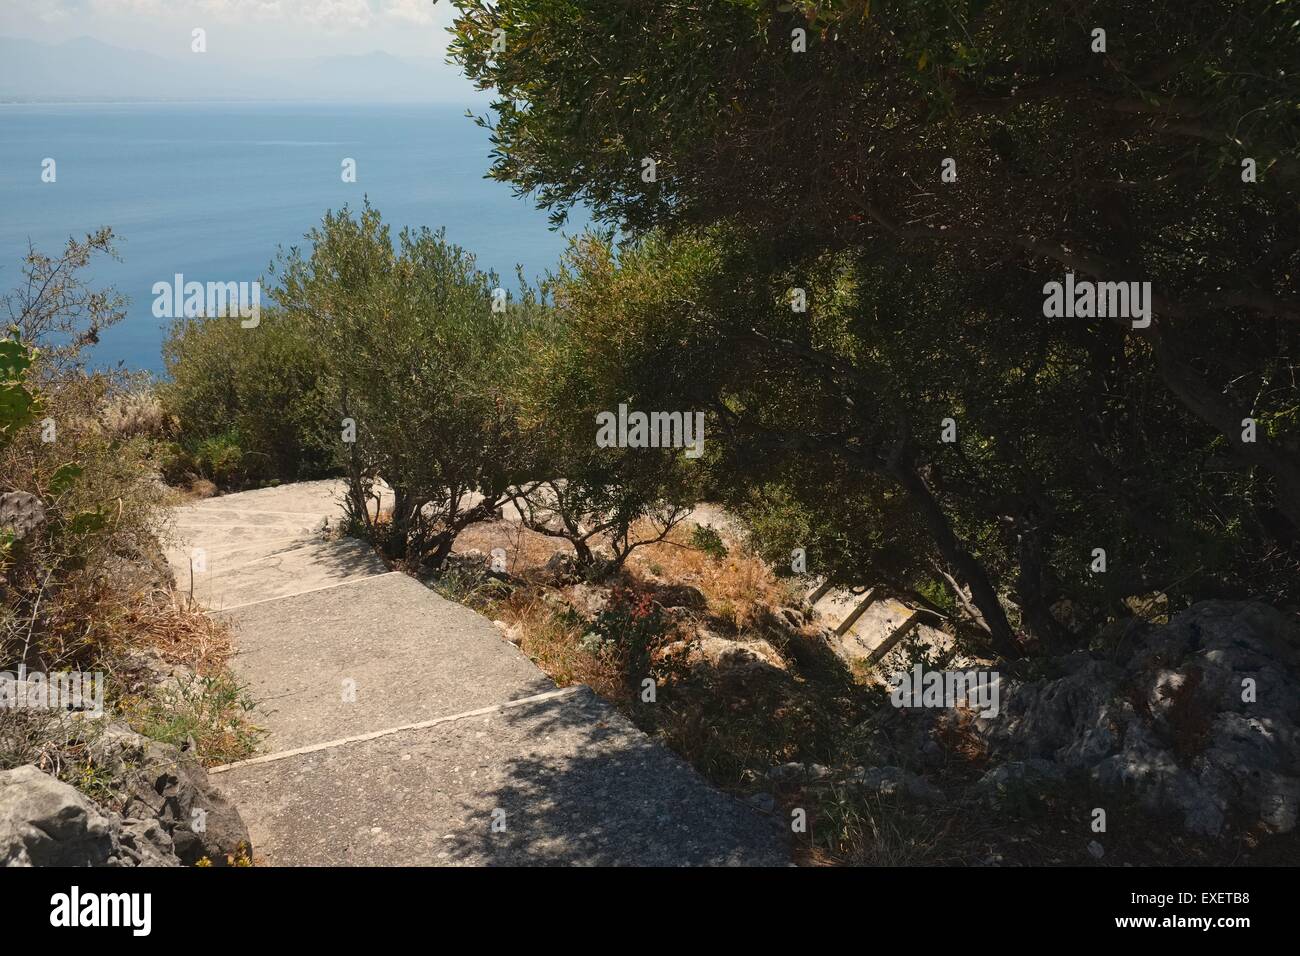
15, 359
64, 477
87, 522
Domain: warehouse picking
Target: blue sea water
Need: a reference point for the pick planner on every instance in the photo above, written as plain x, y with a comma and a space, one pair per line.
211, 190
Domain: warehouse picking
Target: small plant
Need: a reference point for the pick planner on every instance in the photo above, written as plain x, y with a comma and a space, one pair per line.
240, 857
133, 413
706, 539
626, 630
220, 459
875, 830
214, 711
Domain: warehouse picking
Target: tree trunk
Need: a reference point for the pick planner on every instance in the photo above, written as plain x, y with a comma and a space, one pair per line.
963, 564
1209, 405
585, 558
1031, 589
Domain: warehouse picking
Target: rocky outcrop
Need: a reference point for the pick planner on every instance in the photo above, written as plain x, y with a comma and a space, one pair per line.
159, 809
45, 822
1199, 719
753, 655
166, 784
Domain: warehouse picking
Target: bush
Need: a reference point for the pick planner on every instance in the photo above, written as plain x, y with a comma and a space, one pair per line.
709, 541
221, 459
82, 580
252, 391
212, 710
415, 376
136, 413
91, 506
625, 632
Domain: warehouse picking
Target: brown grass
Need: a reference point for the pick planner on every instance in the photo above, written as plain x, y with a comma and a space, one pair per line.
733, 585
958, 736
552, 642
526, 551
162, 620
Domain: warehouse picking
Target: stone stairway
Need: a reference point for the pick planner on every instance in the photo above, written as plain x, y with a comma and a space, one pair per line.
868, 626
404, 730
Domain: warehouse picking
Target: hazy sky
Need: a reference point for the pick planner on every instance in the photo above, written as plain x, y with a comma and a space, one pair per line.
270, 29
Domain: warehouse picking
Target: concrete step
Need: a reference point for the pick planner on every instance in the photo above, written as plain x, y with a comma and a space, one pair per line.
305, 568
814, 594
409, 654
399, 721
231, 556
880, 629
313, 496
562, 781
226, 536
836, 605
219, 517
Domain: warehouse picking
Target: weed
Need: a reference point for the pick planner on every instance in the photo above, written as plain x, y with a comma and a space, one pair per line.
214, 711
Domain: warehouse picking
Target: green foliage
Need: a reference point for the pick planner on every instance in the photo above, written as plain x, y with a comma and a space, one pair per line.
220, 458
18, 406
821, 171
709, 541
412, 353
64, 477
98, 506
248, 400
828, 425
214, 711
741, 123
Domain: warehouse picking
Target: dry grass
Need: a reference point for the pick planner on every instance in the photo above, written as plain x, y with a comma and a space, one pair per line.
135, 413
874, 830
161, 620
526, 551
725, 724
551, 639
210, 706
734, 585
958, 737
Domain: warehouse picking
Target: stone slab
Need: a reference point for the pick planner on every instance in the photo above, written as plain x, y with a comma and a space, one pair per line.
412, 655
576, 784
286, 573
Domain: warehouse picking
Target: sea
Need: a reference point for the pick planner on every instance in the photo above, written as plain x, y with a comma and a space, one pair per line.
212, 190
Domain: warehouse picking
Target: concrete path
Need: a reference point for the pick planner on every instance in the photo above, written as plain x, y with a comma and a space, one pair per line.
404, 730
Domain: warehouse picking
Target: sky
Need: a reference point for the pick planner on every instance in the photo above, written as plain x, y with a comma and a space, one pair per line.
264, 29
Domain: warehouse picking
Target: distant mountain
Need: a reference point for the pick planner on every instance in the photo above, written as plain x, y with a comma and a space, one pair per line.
88, 69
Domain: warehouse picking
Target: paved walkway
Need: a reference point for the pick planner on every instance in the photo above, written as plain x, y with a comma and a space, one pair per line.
405, 731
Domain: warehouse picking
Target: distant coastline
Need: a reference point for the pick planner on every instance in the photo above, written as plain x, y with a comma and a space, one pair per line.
86, 70
7, 100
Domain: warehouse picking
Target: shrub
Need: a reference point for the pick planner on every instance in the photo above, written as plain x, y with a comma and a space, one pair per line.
707, 539
81, 577
626, 630
255, 389
136, 412
416, 367
221, 459
213, 710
